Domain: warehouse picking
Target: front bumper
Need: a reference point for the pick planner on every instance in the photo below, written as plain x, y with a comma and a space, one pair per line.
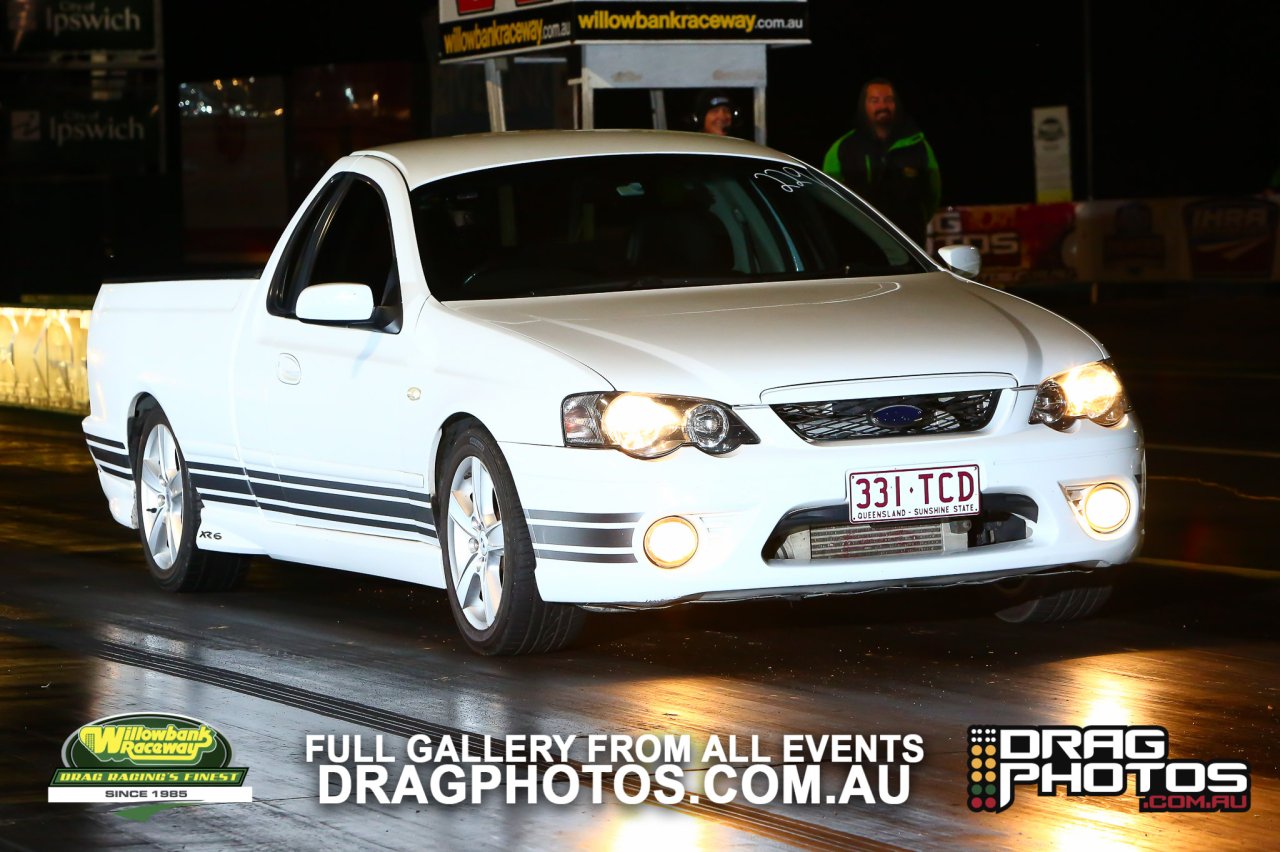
588, 510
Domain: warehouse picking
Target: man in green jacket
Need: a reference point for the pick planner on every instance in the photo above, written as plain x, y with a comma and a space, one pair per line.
886, 160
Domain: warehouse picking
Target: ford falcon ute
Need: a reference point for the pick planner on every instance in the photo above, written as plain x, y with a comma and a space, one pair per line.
558, 372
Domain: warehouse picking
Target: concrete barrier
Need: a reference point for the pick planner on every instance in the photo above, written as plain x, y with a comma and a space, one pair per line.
43, 358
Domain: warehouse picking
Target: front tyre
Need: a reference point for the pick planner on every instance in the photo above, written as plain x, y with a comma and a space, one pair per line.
1052, 597
488, 555
168, 511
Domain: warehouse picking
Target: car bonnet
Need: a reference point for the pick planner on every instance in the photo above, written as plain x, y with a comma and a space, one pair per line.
732, 342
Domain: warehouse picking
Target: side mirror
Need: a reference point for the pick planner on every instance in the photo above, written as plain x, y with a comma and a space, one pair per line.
335, 303
966, 260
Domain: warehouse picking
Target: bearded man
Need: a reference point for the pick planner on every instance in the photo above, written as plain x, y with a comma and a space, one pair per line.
886, 160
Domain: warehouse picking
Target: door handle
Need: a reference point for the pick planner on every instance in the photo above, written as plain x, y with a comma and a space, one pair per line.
288, 370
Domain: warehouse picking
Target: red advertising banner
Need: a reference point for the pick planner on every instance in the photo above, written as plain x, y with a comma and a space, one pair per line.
1160, 239
1017, 241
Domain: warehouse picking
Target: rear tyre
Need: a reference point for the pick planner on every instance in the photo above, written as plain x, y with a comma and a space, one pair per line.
488, 555
1055, 597
168, 510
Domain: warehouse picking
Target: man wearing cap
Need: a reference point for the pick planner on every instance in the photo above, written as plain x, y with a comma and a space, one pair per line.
886, 160
715, 113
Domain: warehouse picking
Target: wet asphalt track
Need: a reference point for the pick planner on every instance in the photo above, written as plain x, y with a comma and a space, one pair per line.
1188, 642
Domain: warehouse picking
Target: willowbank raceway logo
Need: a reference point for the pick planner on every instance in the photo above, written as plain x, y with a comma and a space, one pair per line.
148, 757
1099, 761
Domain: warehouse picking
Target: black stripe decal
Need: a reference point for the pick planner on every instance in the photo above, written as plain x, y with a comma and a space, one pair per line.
314, 483
216, 468
116, 473
361, 522
105, 441
235, 501
362, 489
220, 483
581, 537
110, 458
583, 517
342, 502
320, 500
566, 556
338, 486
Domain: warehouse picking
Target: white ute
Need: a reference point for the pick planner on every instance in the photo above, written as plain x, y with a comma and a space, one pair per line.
559, 371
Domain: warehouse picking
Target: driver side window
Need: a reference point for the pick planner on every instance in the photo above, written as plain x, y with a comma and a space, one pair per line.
345, 237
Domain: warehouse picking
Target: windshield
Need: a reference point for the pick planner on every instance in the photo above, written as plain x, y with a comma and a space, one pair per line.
609, 223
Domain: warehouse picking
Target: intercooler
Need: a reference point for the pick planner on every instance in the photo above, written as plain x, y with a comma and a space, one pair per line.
848, 541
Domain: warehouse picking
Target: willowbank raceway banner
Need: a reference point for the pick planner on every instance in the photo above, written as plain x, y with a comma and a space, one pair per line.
471, 29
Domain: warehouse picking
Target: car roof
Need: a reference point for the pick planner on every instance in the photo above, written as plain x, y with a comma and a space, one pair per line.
425, 160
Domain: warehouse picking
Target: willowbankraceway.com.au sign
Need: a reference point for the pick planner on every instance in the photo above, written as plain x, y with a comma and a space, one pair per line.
489, 29
148, 757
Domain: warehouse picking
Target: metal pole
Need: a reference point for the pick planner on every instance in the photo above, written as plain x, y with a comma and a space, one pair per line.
1088, 121
658, 103
1088, 100
162, 92
493, 91
588, 102
759, 114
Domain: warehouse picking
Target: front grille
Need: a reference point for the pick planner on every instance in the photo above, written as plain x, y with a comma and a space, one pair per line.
841, 420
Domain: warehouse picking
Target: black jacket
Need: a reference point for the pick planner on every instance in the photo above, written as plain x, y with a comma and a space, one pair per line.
898, 176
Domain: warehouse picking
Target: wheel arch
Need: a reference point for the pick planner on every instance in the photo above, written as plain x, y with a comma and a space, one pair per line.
141, 404
438, 448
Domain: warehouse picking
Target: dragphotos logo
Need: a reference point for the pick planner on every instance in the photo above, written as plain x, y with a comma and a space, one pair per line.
1099, 760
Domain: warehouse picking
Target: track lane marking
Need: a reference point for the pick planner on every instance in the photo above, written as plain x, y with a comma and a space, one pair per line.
1236, 492
1233, 570
1128, 369
1215, 451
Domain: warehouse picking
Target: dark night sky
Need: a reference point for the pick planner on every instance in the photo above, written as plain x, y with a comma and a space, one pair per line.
1187, 98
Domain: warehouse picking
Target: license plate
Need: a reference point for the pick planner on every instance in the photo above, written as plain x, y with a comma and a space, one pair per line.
914, 493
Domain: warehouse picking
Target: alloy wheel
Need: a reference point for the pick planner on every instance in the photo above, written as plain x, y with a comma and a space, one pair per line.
162, 500
475, 541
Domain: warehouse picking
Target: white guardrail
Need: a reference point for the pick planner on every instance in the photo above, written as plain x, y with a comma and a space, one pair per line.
43, 355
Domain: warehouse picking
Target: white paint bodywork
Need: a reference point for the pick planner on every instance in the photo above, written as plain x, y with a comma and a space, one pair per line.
317, 444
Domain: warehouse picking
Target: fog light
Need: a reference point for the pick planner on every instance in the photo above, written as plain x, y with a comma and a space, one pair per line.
670, 542
1106, 507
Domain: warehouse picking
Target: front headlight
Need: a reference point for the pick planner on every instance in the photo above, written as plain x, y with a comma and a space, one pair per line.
647, 426
1090, 391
